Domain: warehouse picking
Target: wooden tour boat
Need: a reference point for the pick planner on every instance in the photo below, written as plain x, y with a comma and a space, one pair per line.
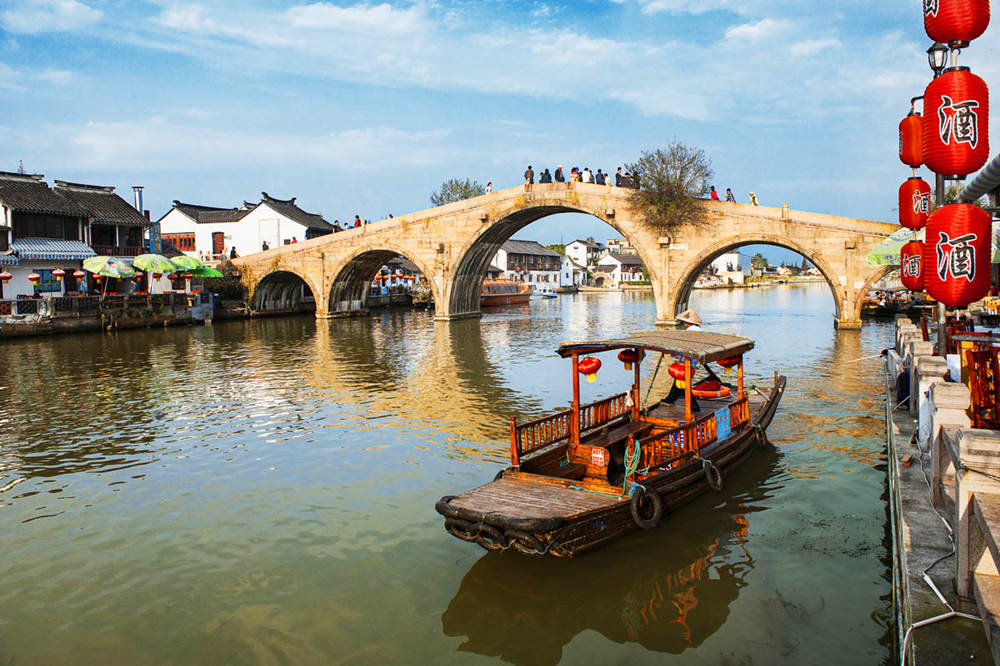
597, 471
504, 292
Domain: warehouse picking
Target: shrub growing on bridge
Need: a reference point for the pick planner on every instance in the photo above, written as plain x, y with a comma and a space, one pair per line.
454, 189
671, 180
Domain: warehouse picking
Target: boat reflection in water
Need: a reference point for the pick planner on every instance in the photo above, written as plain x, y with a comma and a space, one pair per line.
668, 589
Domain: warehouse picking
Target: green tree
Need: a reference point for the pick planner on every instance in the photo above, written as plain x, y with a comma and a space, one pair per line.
804, 266
671, 180
454, 189
558, 247
758, 261
951, 193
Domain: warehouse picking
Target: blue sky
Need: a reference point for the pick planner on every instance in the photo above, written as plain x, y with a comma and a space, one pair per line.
367, 107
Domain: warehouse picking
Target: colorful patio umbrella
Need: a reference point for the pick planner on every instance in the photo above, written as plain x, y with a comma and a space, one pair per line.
108, 267
886, 253
153, 263
206, 272
187, 263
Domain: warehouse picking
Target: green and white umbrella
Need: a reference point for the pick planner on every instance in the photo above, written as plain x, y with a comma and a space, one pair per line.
206, 272
887, 252
153, 263
185, 263
108, 267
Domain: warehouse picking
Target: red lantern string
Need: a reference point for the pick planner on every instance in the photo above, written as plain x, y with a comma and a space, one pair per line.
911, 151
914, 202
956, 21
911, 259
955, 136
956, 263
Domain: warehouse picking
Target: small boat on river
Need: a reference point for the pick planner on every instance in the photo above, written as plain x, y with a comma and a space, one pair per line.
504, 292
597, 471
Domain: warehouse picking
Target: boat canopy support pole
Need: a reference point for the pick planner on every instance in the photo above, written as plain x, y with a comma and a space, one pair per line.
635, 388
574, 426
688, 414
515, 459
739, 379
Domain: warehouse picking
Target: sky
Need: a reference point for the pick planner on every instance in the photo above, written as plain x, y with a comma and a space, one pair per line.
366, 108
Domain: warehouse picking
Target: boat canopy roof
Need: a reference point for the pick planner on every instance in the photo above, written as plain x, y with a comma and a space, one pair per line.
701, 346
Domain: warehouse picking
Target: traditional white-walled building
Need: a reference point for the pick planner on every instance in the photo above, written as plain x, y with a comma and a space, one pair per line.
46, 228
734, 266
571, 274
615, 269
620, 246
210, 233
585, 253
528, 261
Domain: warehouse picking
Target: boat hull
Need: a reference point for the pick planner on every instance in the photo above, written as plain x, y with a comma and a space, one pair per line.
593, 521
493, 300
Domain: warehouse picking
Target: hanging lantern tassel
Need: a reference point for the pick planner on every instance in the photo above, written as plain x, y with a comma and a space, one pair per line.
676, 371
911, 151
911, 261
589, 366
956, 137
956, 262
956, 22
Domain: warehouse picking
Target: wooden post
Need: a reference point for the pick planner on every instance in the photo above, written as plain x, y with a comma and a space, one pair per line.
574, 435
739, 378
688, 414
635, 390
515, 459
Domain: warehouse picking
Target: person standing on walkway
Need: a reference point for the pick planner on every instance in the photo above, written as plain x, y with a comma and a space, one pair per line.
729, 195
714, 194
753, 199
618, 177
489, 187
560, 178
599, 178
357, 221
546, 177
529, 178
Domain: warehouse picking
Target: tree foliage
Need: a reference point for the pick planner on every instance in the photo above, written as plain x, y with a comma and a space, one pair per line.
557, 247
671, 180
951, 193
759, 261
455, 189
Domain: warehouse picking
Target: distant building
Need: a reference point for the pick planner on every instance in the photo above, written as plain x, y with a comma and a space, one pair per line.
46, 228
731, 267
585, 253
571, 274
613, 270
620, 246
528, 261
210, 233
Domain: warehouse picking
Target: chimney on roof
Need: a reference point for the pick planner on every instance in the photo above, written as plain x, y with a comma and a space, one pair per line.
137, 193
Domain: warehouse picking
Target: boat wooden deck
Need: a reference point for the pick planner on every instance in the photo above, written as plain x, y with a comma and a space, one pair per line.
529, 500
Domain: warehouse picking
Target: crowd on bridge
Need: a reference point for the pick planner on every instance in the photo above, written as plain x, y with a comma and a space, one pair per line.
578, 175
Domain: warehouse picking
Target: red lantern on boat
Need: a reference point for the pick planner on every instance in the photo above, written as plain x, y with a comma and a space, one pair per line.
914, 202
589, 366
911, 261
79, 275
59, 274
956, 22
34, 278
628, 357
956, 123
5, 277
676, 371
957, 254
172, 276
911, 150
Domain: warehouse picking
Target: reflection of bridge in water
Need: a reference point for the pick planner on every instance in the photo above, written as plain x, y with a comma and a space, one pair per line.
667, 590
452, 246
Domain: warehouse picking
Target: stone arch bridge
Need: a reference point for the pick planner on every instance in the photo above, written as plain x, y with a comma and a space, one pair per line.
453, 245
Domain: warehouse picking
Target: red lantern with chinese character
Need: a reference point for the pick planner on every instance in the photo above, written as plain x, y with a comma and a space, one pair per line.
914, 202
956, 123
956, 264
59, 274
34, 278
5, 277
911, 150
956, 21
79, 275
911, 261
628, 357
589, 366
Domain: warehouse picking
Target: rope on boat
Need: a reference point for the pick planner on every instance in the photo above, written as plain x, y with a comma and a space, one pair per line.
631, 467
645, 400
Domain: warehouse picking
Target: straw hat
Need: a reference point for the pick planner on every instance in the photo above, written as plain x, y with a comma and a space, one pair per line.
689, 317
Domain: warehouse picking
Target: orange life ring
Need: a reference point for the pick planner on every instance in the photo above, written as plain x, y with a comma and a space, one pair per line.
710, 389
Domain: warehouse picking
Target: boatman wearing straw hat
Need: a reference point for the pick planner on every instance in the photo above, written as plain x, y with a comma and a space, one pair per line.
691, 319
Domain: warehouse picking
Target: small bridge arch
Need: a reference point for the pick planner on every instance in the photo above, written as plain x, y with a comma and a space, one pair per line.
283, 291
351, 277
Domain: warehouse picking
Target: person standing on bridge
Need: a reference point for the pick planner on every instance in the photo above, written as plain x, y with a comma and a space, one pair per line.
753, 199
546, 177
357, 221
586, 176
529, 178
714, 194
232, 253
729, 195
599, 178
560, 178
489, 187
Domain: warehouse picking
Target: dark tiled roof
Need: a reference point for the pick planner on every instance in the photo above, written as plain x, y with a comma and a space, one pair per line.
528, 247
103, 206
625, 259
28, 193
588, 243
403, 263
288, 208
222, 216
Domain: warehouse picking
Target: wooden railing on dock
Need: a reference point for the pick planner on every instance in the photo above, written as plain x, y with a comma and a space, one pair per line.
526, 438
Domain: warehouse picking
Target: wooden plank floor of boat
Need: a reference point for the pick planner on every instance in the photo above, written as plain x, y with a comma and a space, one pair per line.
520, 499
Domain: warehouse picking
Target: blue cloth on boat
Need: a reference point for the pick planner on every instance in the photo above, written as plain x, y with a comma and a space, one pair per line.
722, 423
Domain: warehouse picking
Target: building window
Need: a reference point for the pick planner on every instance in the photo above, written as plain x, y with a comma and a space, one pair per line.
36, 225
48, 283
183, 242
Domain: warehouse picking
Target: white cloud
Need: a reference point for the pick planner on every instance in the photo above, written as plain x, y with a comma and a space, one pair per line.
9, 77
813, 46
59, 77
363, 19
652, 7
36, 16
766, 28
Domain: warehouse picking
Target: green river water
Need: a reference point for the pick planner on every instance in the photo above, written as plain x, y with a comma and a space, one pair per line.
263, 492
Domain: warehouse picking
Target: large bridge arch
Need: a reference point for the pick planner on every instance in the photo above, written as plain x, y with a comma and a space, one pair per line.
350, 278
475, 255
280, 290
681, 287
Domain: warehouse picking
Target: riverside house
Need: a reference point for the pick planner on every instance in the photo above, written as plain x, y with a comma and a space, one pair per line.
528, 261
614, 270
210, 233
46, 228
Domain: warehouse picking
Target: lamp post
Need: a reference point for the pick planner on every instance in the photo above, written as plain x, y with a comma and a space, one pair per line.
937, 58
